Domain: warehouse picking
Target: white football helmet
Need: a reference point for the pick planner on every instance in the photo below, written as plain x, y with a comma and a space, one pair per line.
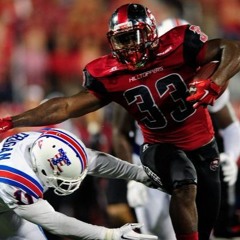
60, 160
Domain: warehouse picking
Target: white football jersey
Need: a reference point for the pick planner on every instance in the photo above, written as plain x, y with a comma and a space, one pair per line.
18, 182
21, 192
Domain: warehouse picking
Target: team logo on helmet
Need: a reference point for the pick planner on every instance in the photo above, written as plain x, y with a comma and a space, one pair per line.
59, 160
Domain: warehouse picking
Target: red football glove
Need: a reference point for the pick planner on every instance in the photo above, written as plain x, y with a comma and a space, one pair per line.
5, 124
203, 92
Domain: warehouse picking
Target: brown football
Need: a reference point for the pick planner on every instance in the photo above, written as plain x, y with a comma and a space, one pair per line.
207, 70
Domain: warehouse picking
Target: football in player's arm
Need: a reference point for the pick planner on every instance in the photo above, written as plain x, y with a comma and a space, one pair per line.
32, 162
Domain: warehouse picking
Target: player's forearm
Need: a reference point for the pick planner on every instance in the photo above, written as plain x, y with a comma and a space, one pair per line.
57, 110
51, 112
105, 165
229, 62
74, 229
43, 214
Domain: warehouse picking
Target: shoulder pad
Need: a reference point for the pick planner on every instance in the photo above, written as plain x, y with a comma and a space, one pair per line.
171, 40
104, 66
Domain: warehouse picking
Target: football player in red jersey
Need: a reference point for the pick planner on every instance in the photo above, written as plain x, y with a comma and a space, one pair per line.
150, 77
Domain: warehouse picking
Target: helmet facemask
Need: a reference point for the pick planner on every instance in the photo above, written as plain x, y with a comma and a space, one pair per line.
62, 186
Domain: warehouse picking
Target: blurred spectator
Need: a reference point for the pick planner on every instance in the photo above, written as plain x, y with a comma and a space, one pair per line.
88, 19
63, 57
29, 61
226, 13
6, 45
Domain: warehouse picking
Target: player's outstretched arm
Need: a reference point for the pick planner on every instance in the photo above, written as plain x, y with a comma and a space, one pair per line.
53, 111
105, 165
43, 214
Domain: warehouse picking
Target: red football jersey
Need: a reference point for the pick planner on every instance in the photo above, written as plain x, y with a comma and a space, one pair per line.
156, 94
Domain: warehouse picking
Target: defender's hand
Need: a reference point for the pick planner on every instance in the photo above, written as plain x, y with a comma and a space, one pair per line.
5, 124
127, 232
203, 92
229, 168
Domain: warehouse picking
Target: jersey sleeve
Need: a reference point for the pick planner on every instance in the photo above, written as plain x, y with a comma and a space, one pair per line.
106, 165
14, 196
193, 42
43, 214
95, 87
